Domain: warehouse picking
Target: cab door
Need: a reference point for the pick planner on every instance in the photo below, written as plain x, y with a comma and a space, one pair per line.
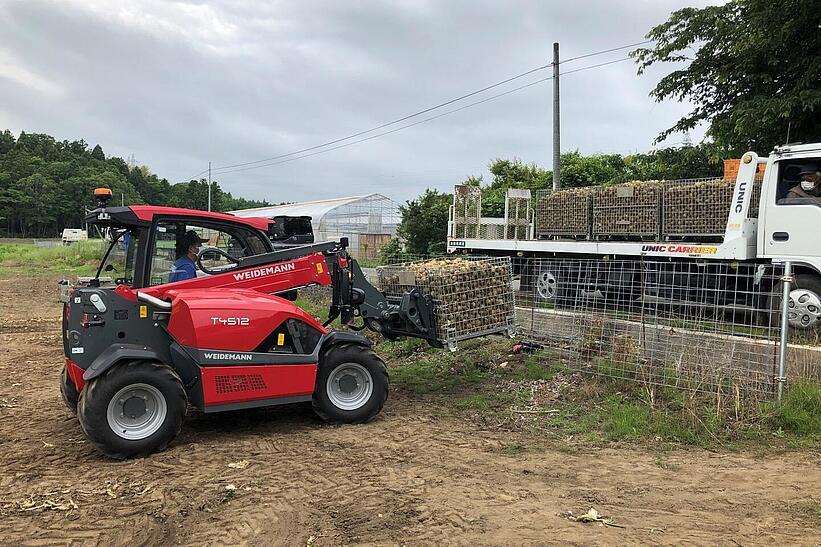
792, 226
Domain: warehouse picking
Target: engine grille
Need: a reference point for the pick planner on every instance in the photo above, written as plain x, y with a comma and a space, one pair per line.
239, 382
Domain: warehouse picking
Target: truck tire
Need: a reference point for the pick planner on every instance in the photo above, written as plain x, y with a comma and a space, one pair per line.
68, 391
133, 410
805, 304
351, 386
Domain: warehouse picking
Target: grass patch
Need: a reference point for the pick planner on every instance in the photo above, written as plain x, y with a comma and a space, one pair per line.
81, 258
534, 369
799, 411
534, 393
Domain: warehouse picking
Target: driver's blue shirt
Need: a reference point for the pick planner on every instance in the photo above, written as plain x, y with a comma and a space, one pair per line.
184, 268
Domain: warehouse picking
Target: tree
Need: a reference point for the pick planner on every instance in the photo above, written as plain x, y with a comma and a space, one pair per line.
97, 153
424, 222
753, 75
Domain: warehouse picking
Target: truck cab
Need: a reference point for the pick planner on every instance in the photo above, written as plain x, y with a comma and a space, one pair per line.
788, 226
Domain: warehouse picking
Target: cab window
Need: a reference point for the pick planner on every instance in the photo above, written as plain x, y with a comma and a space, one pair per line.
799, 182
177, 243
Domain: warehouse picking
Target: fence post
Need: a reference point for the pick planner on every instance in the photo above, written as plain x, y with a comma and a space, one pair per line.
786, 280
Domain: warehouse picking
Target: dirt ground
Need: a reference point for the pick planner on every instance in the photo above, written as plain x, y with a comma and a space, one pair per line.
280, 476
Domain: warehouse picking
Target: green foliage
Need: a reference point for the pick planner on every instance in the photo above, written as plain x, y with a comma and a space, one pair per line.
45, 185
425, 221
81, 257
391, 251
799, 411
753, 70
509, 174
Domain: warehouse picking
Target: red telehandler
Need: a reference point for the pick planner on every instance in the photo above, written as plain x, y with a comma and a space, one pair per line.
138, 353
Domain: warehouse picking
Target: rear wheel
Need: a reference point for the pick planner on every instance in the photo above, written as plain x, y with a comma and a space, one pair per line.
68, 390
352, 385
132, 410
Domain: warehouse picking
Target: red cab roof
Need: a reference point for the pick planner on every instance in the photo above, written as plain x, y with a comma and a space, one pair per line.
148, 212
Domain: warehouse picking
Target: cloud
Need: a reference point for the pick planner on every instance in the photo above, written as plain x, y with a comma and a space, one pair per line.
181, 83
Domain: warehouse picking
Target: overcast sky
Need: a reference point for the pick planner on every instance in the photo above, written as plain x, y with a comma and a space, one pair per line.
180, 83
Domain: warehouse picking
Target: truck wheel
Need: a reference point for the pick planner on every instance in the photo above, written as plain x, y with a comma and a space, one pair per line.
134, 409
804, 307
556, 285
352, 385
68, 391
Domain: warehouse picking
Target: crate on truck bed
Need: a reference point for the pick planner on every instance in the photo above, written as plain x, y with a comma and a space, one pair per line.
627, 210
472, 297
564, 212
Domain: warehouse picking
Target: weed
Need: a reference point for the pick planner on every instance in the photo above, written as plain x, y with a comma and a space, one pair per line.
799, 411
80, 258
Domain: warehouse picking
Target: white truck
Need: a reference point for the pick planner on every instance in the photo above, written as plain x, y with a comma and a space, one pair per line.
73, 235
757, 234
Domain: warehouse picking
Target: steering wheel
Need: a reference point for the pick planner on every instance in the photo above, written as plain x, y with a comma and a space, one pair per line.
219, 252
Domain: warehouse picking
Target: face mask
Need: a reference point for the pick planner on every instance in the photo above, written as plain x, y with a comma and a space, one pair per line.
807, 185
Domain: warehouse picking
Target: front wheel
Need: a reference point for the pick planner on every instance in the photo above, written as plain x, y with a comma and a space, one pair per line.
134, 409
351, 386
68, 390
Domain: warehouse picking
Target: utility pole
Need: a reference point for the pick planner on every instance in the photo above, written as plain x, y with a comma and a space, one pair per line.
556, 142
209, 186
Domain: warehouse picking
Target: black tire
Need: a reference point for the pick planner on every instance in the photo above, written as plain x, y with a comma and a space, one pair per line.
331, 365
98, 394
68, 390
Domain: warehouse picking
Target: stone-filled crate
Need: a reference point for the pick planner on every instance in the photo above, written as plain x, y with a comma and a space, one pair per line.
472, 297
563, 213
701, 207
629, 210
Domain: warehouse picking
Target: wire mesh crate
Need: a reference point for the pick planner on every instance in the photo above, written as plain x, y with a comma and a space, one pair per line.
467, 211
699, 207
563, 213
472, 296
627, 210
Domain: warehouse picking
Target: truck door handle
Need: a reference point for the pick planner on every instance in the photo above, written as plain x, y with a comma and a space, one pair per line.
780, 236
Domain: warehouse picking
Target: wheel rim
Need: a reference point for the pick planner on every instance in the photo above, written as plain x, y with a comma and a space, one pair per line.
349, 386
546, 285
804, 309
137, 411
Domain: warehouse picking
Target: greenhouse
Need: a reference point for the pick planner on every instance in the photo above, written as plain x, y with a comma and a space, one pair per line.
367, 221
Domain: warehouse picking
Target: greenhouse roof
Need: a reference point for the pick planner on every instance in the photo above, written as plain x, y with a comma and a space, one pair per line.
314, 209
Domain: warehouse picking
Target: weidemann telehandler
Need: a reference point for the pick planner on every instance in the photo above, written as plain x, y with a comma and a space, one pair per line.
137, 354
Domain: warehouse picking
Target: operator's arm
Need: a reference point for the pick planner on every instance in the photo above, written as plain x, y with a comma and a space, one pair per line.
183, 269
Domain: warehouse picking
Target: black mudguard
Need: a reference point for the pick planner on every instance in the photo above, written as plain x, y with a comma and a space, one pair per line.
344, 337
116, 353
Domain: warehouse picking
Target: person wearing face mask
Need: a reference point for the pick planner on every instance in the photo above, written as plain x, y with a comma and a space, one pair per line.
810, 186
187, 247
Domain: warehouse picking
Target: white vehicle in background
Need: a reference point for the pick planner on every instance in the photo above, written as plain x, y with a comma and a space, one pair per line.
773, 229
73, 235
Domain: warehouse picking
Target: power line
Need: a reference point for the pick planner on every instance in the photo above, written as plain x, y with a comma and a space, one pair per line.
425, 120
424, 111
398, 120
586, 55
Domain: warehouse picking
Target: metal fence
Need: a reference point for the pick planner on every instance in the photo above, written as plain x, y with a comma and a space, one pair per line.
694, 325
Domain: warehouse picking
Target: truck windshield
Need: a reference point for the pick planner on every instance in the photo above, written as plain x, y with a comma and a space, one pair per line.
121, 257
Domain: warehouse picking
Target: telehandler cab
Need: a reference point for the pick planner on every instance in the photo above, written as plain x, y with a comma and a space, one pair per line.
138, 353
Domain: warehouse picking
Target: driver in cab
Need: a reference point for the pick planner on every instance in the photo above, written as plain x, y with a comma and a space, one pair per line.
810, 185
187, 248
